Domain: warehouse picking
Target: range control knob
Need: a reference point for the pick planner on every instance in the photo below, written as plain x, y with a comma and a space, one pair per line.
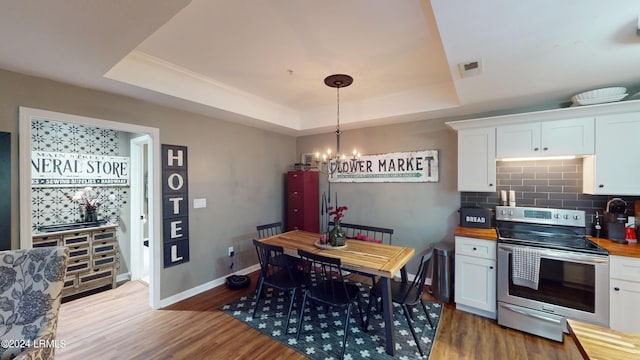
566, 217
576, 217
557, 216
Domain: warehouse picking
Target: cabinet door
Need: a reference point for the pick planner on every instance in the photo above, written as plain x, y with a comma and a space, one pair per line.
518, 140
614, 169
477, 160
624, 300
476, 282
568, 137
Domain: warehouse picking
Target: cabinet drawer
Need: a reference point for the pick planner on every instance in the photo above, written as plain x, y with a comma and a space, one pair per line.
624, 268
78, 238
97, 276
485, 249
295, 182
78, 265
103, 260
70, 282
295, 202
44, 241
104, 235
102, 247
78, 252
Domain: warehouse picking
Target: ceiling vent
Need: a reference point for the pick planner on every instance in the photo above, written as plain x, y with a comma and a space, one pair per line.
469, 69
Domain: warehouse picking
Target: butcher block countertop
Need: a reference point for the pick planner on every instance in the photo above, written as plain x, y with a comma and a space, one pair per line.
629, 250
595, 342
485, 234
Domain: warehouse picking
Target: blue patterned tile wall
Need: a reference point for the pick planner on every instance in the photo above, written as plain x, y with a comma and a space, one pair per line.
50, 205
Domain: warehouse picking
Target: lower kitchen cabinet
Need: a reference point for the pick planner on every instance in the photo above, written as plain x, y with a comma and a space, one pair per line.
625, 294
92, 256
475, 283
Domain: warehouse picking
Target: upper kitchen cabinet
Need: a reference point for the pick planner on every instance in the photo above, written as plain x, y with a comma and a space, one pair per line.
477, 160
550, 138
614, 170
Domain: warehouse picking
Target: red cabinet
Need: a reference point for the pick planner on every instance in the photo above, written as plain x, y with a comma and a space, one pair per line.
303, 203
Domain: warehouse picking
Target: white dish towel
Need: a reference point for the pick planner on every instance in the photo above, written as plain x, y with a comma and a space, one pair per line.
525, 264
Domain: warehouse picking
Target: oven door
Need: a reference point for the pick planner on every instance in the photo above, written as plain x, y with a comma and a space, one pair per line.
571, 285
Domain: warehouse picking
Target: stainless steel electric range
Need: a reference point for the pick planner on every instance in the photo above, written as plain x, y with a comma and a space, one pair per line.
548, 271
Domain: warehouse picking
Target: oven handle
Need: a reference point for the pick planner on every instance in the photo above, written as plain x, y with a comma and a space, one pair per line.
562, 255
526, 313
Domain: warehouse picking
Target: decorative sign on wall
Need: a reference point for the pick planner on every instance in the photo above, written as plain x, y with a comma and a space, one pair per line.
175, 205
51, 169
414, 166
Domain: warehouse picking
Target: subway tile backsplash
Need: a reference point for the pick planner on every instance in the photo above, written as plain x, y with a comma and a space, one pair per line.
548, 183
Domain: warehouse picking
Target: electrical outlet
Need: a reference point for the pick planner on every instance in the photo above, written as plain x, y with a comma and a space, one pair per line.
231, 251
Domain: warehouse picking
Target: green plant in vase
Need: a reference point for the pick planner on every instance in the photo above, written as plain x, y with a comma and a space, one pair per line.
336, 235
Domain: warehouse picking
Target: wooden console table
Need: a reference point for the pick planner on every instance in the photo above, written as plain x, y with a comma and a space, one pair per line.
92, 256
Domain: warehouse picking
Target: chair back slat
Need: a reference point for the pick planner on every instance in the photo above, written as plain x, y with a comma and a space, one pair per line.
267, 230
272, 259
324, 278
384, 235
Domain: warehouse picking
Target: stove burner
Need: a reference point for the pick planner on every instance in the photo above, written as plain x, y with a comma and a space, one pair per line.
546, 234
551, 241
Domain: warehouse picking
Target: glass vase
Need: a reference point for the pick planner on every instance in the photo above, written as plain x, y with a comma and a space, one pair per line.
336, 235
91, 215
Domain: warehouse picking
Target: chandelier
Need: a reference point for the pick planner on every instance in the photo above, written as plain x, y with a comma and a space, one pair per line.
336, 81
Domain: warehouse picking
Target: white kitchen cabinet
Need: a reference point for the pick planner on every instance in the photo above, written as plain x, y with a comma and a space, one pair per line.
477, 160
475, 276
549, 138
614, 169
625, 294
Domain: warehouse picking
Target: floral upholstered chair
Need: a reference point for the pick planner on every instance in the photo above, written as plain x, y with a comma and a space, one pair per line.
31, 282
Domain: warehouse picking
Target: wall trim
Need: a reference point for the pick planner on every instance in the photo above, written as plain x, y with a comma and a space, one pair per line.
204, 287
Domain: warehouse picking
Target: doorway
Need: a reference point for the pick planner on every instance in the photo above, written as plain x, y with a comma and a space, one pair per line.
147, 151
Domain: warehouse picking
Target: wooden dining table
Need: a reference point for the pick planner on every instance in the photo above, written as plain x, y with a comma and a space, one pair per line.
370, 258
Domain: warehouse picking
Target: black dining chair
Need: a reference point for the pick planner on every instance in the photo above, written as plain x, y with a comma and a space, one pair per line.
276, 272
325, 285
266, 230
362, 232
407, 295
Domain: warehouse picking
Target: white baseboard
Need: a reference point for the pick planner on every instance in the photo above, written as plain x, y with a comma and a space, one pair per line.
123, 277
204, 287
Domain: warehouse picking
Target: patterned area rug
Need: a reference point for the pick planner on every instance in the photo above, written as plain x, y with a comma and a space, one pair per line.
322, 332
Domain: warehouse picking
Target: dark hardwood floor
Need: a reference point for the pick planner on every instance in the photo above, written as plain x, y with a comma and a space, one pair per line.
119, 324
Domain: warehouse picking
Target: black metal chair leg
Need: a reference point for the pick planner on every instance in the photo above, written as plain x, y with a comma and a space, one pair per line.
405, 309
304, 300
369, 306
293, 296
426, 313
258, 293
346, 329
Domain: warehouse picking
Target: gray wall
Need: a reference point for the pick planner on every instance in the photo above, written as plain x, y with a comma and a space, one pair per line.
238, 169
420, 213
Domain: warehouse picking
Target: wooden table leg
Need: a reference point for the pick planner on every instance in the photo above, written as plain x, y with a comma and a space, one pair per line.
387, 315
